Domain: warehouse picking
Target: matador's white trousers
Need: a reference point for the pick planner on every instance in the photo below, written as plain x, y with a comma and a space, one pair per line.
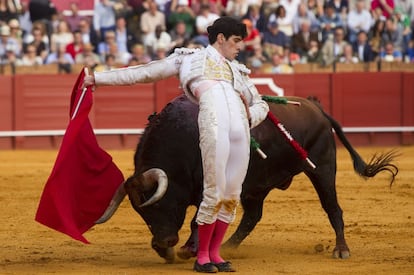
225, 145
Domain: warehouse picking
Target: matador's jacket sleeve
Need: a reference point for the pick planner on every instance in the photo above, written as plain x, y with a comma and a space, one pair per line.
258, 107
150, 72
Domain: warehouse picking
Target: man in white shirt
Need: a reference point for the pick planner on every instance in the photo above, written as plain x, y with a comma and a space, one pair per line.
359, 19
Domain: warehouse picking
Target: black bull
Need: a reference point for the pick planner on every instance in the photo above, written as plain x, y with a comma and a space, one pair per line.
168, 171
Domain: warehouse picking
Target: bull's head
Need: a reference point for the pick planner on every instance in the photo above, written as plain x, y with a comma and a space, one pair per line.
164, 217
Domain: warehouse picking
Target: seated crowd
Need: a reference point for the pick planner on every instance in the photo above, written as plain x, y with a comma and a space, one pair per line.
281, 33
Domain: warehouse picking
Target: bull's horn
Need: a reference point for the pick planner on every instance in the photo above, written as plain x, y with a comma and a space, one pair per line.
152, 176
113, 205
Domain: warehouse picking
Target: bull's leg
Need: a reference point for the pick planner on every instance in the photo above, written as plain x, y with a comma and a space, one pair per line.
252, 213
189, 249
323, 179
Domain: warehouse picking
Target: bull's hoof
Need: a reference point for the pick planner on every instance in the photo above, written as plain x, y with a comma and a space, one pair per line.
339, 253
170, 255
186, 253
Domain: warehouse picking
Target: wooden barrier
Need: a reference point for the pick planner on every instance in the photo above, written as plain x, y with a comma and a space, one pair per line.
41, 102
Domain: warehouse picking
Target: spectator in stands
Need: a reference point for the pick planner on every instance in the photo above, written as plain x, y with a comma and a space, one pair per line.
74, 18
290, 57
24, 19
291, 7
410, 51
9, 58
140, 55
159, 37
215, 6
109, 64
103, 47
316, 6
124, 38
204, 19
104, 18
362, 48
29, 57
88, 34
181, 13
62, 58
76, 46
406, 8
257, 60
383, 8
62, 37
9, 10
284, 22
87, 57
390, 54
179, 36
304, 13
274, 40
393, 33
300, 43
121, 58
42, 11
278, 66
341, 8
38, 41
403, 21
16, 33
133, 62
348, 56
161, 51
237, 8
314, 54
359, 19
375, 36
151, 19
329, 21
257, 17
252, 42
7, 42
332, 49
133, 16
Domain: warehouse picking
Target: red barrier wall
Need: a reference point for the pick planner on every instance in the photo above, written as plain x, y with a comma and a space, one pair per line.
41, 102
122, 107
407, 98
6, 110
370, 99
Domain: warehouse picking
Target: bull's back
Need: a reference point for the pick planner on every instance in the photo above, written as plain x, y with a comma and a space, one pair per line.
306, 124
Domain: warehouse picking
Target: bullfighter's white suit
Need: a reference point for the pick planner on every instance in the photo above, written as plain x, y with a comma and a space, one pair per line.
216, 84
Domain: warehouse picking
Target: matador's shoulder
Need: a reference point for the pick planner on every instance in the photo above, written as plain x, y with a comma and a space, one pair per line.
185, 51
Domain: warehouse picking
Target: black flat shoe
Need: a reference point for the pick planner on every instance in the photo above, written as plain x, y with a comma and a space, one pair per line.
205, 268
225, 267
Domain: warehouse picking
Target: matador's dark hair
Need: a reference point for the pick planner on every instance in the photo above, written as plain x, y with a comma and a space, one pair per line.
228, 26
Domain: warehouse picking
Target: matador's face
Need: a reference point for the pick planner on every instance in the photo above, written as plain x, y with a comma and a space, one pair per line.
230, 47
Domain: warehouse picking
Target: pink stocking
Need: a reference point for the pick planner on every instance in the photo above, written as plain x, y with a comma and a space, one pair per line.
205, 232
218, 235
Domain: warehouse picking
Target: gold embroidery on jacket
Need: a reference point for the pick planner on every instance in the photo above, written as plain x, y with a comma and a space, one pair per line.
218, 70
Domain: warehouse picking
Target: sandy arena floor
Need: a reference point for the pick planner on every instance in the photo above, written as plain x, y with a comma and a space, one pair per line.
379, 225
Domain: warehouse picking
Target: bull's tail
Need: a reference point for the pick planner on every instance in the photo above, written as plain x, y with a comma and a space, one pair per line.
378, 162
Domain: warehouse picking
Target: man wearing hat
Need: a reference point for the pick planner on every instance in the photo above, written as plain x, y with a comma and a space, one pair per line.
8, 43
229, 105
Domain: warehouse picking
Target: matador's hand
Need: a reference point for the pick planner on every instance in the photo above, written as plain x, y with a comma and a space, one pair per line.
89, 80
